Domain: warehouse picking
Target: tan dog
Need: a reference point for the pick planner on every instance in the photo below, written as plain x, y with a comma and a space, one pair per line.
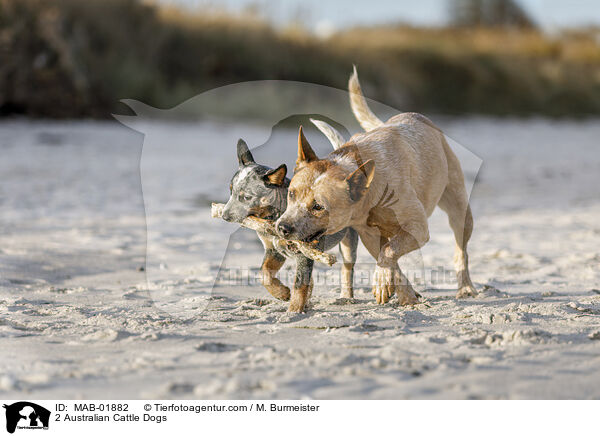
384, 183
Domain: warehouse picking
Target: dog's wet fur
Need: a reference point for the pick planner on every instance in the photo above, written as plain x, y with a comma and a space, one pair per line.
257, 190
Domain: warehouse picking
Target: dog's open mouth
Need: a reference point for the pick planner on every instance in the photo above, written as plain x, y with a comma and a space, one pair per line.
272, 216
266, 213
314, 236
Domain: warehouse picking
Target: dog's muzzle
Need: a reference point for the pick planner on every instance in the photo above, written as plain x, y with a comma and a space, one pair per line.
285, 229
227, 216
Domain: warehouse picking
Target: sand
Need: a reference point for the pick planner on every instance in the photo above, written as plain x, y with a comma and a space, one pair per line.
83, 316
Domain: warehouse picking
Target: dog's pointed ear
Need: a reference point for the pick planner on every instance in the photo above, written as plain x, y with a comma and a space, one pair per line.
243, 153
305, 152
276, 176
360, 180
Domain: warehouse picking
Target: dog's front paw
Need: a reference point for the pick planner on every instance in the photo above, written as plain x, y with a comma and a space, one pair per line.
407, 296
466, 292
383, 284
280, 292
299, 298
389, 280
296, 306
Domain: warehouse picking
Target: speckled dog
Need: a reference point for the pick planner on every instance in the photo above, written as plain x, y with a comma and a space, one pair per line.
257, 190
384, 183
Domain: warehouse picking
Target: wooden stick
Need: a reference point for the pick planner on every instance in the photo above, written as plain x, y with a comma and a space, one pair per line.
268, 227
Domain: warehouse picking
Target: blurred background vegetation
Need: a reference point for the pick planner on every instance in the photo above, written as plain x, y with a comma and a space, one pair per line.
74, 58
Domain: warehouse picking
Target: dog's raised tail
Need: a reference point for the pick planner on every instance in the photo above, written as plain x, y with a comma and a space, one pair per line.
367, 119
334, 136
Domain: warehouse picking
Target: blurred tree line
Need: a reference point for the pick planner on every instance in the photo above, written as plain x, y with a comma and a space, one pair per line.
73, 58
489, 13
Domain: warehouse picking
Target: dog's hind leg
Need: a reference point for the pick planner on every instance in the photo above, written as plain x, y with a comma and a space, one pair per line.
348, 247
455, 203
272, 263
303, 284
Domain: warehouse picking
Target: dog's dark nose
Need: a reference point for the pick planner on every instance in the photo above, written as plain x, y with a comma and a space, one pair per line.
226, 216
285, 229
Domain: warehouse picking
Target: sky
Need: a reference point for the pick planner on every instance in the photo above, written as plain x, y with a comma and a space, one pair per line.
337, 14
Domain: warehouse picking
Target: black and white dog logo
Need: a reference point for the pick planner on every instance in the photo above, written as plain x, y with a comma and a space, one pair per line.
26, 415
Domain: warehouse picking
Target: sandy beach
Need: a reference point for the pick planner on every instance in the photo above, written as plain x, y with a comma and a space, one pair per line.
108, 267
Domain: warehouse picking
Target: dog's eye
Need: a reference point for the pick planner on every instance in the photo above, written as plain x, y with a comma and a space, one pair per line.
245, 197
317, 206
292, 195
